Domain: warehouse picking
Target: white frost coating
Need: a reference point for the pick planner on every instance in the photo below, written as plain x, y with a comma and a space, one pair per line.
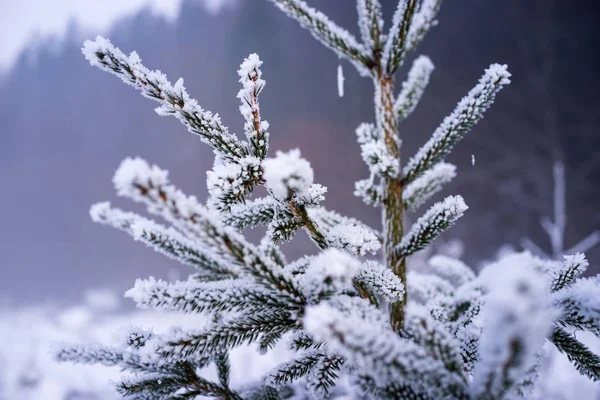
326, 31
252, 84
379, 353
354, 238
580, 304
329, 272
392, 46
426, 288
438, 218
453, 270
288, 174
345, 233
192, 296
174, 99
370, 21
340, 80
135, 171
453, 128
564, 274
226, 181
381, 280
423, 20
421, 189
414, 87
517, 319
367, 132
377, 156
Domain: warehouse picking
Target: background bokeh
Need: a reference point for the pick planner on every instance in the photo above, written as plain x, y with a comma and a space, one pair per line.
64, 126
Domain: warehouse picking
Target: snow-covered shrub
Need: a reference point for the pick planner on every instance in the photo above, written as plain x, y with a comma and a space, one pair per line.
389, 331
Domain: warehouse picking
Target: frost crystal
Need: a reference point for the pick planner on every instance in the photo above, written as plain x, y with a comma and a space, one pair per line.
288, 175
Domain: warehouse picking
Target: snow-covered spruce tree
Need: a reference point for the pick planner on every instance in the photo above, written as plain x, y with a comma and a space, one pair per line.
440, 333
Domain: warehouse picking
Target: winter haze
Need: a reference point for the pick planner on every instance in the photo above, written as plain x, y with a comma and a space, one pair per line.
66, 126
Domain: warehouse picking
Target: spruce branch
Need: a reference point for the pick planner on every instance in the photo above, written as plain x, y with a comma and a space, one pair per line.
252, 213
433, 223
421, 189
223, 368
422, 22
134, 180
517, 321
396, 45
252, 84
109, 357
586, 362
567, 272
455, 126
179, 387
381, 354
422, 329
294, 369
202, 297
381, 280
327, 32
323, 376
174, 99
370, 22
579, 305
413, 88
166, 241
228, 335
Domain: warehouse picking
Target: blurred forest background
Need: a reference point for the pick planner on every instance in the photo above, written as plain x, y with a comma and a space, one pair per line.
64, 128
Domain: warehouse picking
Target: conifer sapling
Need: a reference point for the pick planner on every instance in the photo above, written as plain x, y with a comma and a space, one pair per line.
394, 331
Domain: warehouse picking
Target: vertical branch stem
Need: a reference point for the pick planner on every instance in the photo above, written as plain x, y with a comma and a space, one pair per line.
393, 208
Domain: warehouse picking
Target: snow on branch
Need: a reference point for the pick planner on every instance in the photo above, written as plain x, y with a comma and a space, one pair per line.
454, 127
380, 354
422, 329
229, 183
166, 241
517, 320
192, 296
338, 39
149, 185
288, 175
370, 22
109, 357
433, 223
329, 273
422, 22
451, 269
396, 45
586, 362
580, 305
252, 84
369, 191
413, 88
421, 189
345, 233
133, 180
252, 213
565, 274
228, 334
174, 99
380, 280
294, 369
